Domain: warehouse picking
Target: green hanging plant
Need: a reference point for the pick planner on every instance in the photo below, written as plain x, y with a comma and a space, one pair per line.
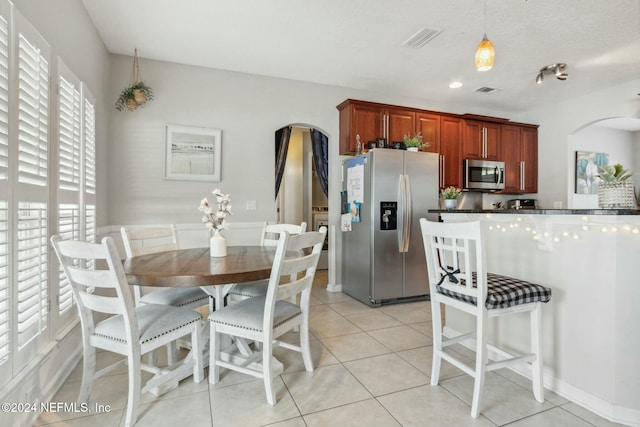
137, 93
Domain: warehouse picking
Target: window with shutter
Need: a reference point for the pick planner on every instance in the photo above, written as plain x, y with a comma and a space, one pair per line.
89, 144
33, 113
4, 98
68, 228
5, 309
69, 131
32, 271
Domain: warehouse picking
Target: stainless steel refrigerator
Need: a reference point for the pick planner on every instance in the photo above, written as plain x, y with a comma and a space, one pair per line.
383, 254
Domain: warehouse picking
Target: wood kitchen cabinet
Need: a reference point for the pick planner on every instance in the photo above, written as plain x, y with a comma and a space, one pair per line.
481, 140
361, 119
520, 155
372, 121
450, 159
429, 125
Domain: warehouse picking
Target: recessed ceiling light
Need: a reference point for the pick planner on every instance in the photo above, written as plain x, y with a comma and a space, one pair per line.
455, 85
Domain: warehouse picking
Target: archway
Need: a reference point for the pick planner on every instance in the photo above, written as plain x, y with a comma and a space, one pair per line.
301, 177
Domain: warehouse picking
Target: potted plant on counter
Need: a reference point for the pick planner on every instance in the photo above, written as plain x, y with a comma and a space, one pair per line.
415, 143
450, 196
615, 191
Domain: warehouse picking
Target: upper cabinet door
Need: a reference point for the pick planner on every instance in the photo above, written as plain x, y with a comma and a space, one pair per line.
481, 140
450, 159
398, 124
429, 125
529, 153
511, 145
359, 119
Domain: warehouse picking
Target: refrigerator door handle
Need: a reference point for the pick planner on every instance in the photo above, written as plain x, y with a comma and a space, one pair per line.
401, 215
408, 213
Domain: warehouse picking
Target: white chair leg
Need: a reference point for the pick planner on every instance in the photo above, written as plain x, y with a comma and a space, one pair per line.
196, 350
481, 366
436, 320
267, 371
304, 344
135, 380
88, 372
171, 353
214, 354
536, 348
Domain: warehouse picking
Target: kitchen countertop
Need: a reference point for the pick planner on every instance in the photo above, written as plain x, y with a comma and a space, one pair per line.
539, 211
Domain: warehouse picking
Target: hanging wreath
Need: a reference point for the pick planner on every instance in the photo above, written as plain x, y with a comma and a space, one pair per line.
137, 93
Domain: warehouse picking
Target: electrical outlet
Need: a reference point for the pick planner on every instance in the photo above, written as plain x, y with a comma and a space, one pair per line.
252, 205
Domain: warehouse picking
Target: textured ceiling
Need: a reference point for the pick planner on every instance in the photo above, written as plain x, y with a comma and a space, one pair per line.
358, 43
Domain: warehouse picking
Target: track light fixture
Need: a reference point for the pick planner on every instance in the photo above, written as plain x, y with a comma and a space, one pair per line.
557, 69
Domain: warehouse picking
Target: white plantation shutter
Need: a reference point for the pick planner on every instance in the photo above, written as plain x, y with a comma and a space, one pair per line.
33, 113
32, 271
90, 227
89, 145
4, 98
5, 309
68, 228
69, 131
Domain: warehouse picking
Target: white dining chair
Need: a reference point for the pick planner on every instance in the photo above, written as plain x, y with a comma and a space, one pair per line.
147, 240
264, 319
130, 331
269, 237
458, 278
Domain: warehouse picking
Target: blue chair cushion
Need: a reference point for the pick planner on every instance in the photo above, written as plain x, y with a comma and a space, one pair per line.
177, 297
251, 289
153, 321
248, 313
503, 292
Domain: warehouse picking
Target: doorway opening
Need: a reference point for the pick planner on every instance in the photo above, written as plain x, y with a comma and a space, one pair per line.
302, 179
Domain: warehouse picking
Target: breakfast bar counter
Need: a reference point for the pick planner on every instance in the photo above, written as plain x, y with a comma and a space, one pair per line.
590, 259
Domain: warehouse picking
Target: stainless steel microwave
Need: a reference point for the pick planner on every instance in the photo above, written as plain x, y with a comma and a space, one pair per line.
483, 175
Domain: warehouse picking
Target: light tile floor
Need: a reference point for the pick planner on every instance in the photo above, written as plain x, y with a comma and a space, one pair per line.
372, 369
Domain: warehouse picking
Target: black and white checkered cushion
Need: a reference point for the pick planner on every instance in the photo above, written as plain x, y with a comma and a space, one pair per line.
503, 292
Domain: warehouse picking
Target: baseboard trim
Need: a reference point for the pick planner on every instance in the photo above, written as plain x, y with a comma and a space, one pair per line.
613, 413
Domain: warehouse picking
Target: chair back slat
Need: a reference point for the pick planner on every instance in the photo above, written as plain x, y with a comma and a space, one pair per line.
100, 303
91, 278
454, 257
271, 232
146, 240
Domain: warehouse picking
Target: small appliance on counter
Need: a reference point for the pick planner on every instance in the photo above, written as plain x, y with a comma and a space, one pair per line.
522, 204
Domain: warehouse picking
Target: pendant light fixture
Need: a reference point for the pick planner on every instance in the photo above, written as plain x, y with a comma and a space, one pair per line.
485, 52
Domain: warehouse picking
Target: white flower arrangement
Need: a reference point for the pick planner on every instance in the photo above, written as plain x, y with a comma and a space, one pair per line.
215, 220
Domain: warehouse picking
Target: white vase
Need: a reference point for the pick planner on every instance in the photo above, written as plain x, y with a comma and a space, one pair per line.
414, 149
218, 245
450, 203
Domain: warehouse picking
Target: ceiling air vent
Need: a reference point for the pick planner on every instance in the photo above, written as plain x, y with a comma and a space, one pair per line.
486, 89
421, 37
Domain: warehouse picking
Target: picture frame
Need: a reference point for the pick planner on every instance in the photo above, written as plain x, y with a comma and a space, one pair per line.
588, 165
192, 153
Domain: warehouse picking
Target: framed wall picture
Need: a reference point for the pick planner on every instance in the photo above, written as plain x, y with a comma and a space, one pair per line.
588, 166
192, 153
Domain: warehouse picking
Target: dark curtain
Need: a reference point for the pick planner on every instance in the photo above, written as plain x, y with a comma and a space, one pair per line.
282, 147
320, 146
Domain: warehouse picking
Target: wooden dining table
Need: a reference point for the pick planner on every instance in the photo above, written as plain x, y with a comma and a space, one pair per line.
215, 275
195, 267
